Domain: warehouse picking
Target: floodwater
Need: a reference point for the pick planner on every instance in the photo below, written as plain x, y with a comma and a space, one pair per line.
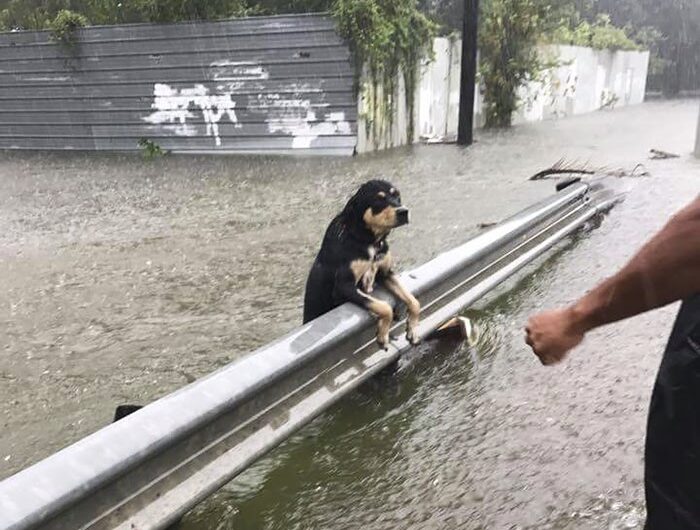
121, 280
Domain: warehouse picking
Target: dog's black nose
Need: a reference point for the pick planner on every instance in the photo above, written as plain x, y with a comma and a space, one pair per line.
401, 216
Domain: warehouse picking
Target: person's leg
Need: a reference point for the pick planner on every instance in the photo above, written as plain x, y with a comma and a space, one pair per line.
672, 464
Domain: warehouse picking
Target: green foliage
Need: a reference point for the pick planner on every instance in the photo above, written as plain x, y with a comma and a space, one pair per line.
601, 35
508, 38
293, 6
64, 26
510, 33
39, 14
388, 37
150, 149
28, 14
172, 11
669, 28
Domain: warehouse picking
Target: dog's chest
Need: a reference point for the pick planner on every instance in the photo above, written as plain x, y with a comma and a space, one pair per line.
365, 270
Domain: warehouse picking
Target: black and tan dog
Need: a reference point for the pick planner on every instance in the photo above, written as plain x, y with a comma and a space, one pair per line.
355, 257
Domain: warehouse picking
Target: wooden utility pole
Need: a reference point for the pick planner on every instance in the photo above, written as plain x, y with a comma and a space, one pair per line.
467, 89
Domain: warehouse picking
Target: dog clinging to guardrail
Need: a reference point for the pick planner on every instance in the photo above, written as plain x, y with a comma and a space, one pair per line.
355, 258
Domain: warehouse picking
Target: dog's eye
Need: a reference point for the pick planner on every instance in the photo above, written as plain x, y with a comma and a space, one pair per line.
382, 194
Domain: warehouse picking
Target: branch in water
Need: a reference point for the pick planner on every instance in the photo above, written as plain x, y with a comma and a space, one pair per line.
564, 168
657, 154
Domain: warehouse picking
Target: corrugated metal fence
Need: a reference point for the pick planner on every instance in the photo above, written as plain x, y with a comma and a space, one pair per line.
255, 85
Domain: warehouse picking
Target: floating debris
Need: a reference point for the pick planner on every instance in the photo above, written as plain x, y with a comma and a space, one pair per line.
658, 154
562, 167
638, 171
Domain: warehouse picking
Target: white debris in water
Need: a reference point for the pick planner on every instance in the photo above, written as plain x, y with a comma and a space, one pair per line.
7, 458
631, 520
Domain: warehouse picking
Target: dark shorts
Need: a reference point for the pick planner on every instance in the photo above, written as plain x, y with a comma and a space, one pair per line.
672, 473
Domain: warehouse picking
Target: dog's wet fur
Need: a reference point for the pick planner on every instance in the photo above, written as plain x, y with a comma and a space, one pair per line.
354, 258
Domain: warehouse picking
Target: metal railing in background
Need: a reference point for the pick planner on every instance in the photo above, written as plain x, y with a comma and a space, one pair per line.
149, 469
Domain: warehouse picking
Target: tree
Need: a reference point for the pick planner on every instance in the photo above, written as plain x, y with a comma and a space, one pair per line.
670, 28
30, 14
508, 38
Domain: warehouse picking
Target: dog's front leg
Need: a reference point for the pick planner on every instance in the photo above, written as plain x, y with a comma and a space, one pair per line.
346, 289
395, 287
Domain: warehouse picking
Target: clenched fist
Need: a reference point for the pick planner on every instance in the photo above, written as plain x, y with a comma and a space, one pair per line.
553, 334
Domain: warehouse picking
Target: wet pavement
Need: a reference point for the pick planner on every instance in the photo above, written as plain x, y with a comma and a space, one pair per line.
121, 280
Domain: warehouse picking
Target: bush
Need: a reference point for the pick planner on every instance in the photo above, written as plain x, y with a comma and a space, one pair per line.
64, 26
601, 35
507, 40
150, 149
387, 37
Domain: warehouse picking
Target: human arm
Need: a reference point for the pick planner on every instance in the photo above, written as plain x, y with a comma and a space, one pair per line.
665, 270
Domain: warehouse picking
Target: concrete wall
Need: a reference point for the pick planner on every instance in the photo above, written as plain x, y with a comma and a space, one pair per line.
587, 80
259, 85
437, 98
378, 129
256, 85
435, 104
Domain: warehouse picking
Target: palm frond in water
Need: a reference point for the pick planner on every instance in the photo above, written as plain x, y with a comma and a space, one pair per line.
562, 167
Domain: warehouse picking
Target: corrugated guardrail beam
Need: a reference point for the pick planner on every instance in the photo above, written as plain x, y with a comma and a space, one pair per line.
147, 470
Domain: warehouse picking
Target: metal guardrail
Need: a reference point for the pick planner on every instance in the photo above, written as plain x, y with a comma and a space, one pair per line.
149, 469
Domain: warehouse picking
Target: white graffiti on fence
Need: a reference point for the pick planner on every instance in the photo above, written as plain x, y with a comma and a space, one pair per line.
172, 107
288, 111
305, 130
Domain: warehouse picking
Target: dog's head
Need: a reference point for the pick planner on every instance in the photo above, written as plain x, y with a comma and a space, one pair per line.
377, 205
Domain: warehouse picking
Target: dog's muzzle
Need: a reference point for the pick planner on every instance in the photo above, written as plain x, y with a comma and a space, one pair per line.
401, 216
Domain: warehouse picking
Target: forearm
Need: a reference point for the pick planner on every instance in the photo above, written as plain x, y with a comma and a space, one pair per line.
665, 270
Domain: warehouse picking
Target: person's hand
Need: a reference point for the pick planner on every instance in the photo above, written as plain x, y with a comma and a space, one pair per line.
552, 335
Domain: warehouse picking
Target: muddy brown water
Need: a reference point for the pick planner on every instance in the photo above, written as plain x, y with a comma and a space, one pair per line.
121, 280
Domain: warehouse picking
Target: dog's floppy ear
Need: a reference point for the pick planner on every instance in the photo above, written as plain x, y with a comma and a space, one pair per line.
353, 204
359, 202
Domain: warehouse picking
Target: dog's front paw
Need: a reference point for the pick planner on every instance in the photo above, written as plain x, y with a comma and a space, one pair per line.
412, 322
383, 341
411, 337
384, 313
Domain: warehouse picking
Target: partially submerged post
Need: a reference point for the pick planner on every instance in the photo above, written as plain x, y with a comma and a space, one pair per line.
467, 90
